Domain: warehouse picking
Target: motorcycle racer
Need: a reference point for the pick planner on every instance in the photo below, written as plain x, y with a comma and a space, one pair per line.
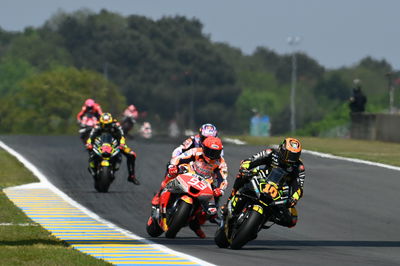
287, 157
110, 125
207, 161
131, 111
206, 130
89, 107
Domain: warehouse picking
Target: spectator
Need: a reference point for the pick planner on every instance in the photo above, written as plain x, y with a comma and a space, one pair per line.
358, 100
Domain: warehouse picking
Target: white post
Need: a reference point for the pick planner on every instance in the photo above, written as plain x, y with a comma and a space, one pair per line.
293, 41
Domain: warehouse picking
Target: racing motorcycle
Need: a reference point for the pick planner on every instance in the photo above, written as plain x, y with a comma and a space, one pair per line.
86, 125
254, 207
108, 158
182, 199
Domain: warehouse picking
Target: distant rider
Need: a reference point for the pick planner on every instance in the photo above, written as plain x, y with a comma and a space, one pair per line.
89, 107
110, 125
131, 111
208, 162
286, 157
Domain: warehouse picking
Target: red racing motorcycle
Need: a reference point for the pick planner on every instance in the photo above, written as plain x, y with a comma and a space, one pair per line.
180, 201
87, 123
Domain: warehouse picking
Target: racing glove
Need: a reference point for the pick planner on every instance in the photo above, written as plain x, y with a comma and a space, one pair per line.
173, 170
245, 165
218, 192
245, 173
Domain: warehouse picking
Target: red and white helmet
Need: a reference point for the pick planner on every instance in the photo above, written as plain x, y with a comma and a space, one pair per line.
89, 103
131, 108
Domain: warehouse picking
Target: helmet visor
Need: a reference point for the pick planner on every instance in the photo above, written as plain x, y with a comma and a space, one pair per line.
291, 157
211, 153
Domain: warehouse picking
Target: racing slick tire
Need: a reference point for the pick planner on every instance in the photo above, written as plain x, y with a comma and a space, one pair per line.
152, 228
248, 230
220, 238
178, 219
103, 180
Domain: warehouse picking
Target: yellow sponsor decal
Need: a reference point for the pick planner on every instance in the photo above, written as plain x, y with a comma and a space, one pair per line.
187, 199
164, 224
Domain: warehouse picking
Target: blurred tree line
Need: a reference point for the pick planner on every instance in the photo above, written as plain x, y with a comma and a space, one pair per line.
164, 67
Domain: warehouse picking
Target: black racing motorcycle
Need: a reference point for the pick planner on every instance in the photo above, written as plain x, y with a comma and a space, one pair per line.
254, 207
108, 159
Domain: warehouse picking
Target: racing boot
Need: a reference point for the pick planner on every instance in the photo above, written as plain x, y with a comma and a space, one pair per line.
92, 169
133, 179
195, 226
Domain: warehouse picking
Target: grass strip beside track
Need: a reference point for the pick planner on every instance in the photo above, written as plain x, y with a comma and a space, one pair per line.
375, 151
29, 244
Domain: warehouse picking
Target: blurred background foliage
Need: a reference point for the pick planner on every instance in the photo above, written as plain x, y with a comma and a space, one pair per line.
163, 67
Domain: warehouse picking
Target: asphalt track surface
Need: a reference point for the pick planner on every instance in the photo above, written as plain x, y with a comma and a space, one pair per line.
349, 214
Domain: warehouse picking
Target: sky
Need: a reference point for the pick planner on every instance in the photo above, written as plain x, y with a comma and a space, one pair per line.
336, 33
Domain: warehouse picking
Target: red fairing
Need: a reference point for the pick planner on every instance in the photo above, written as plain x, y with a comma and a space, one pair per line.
89, 121
164, 198
199, 188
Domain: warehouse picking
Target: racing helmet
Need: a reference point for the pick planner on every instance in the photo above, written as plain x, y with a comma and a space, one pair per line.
131, 108
289, 150
89, 103
212, 148
207, 130
106, 120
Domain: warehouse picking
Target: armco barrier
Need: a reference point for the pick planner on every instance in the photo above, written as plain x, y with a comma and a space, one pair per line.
384, 127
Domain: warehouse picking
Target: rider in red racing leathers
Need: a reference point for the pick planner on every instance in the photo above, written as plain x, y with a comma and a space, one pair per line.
90, 107
206, 160
286, 157
110, 125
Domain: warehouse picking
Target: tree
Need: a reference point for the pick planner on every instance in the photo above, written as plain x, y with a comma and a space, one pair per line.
49, 102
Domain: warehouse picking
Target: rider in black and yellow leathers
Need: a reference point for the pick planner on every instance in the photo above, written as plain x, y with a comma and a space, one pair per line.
110, 125
286, 157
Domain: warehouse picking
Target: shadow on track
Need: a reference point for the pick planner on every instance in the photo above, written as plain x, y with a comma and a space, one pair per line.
256, 244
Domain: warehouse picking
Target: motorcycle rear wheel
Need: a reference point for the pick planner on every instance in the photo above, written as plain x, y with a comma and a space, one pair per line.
248, 230
154, 230
104, 179
220, 238
178, 219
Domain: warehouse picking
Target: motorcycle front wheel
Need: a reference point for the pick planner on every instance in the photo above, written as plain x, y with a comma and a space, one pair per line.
178, 219
152, 228
248, 230
104, 179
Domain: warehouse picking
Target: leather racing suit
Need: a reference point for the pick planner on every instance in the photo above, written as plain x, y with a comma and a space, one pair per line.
269, 158
116, 131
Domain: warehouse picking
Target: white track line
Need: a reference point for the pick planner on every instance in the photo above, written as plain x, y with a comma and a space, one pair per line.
328, 156
331, 156
44, 182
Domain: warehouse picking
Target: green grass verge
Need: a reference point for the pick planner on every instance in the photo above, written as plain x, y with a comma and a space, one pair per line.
31, 244
376, 151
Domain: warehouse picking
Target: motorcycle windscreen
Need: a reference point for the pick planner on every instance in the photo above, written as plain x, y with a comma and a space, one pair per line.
277, 175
